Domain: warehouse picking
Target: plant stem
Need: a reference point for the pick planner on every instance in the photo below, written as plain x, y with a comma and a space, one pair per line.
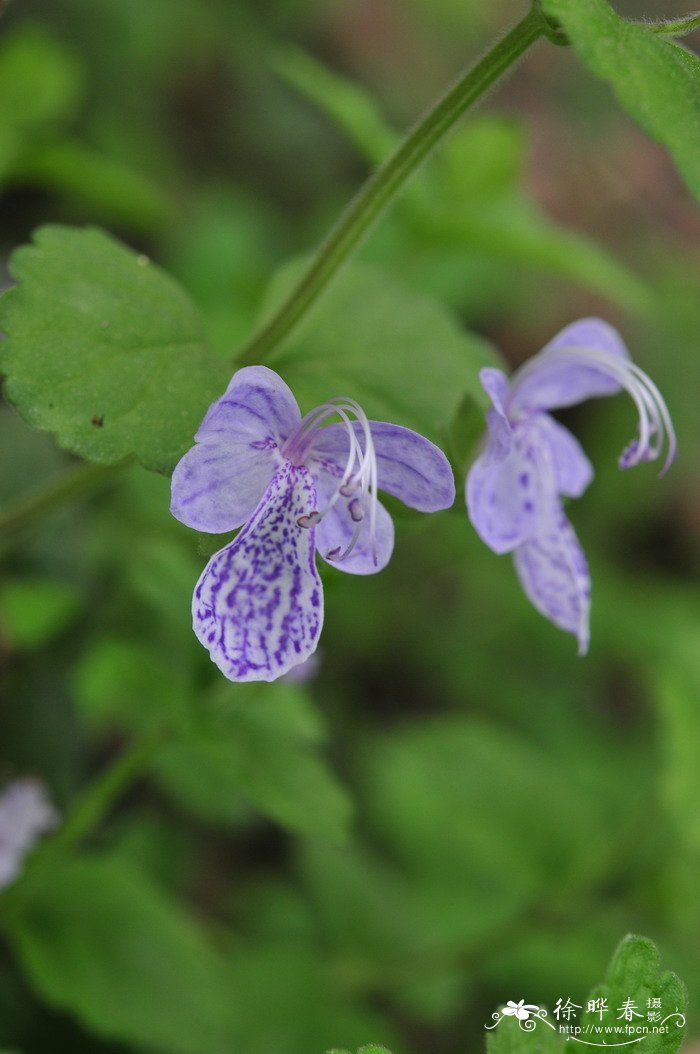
96, 801
383, 186
674, 27
29, 508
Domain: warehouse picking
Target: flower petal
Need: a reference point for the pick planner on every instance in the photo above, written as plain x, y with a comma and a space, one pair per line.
553, 571
507, 497
336, 530
409, 466
548, 381
256, 405
219, 482
258, 606
572, 469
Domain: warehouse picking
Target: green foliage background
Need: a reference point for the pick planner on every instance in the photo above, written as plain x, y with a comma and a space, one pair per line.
457, 810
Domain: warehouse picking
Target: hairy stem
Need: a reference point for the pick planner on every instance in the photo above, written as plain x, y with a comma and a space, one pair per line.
674, 27
384, 185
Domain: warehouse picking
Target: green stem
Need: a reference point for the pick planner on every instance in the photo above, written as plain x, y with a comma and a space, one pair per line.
30, 508
99, 798
677, 27
383, 186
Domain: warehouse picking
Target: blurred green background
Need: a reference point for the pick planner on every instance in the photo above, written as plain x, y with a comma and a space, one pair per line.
456, 810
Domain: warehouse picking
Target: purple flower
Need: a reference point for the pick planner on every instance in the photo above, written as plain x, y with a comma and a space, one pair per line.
296, 484
530, 462
25, 815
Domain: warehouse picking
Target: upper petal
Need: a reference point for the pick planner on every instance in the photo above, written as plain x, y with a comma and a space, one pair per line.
554, 573
257, 405
548, 381
572, 469
409, 466
219, 482
258, 606
507, 497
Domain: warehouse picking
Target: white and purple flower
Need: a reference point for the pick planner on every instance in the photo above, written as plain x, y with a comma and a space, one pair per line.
530, 462
296, 485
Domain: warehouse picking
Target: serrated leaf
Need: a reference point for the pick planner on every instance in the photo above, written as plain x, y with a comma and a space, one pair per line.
656, 80
400, 354
105, 350
100, 941
634, 977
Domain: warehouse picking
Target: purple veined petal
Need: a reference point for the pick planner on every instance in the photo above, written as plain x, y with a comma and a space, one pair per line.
550, 381
572, 469
217, 485
258, 606
257, 405
508, 498
409, 467
553, 571
337, 528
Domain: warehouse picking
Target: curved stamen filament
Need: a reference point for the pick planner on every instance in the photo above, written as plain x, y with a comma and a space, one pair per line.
655, 425
358, 481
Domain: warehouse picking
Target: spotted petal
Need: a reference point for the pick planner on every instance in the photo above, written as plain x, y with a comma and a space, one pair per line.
554, 573
258, 606
219, 482
507, 496
409, 466
549, 381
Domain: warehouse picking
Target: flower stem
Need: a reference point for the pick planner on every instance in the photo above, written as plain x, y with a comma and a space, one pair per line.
30, 508
383, 186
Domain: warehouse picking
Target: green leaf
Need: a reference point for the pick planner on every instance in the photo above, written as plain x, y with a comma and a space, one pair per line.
118, 193
34, 611
40, 85
634, 975
105, 350
656, 80
400, 354
124, 683
262, 742
100, 941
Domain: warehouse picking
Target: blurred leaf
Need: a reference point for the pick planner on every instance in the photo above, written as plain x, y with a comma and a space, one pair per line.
34, 611
260, 741
124, 683
509, 1038
40, 85
526, 827
656, 80
634, 975
116, 191
350, 106
400, 354
290, 1000
678, 692
100, 941
105, 350
469, 195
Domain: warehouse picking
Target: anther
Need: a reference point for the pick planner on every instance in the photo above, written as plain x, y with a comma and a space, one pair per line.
356, 511
334, 553
309, 521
